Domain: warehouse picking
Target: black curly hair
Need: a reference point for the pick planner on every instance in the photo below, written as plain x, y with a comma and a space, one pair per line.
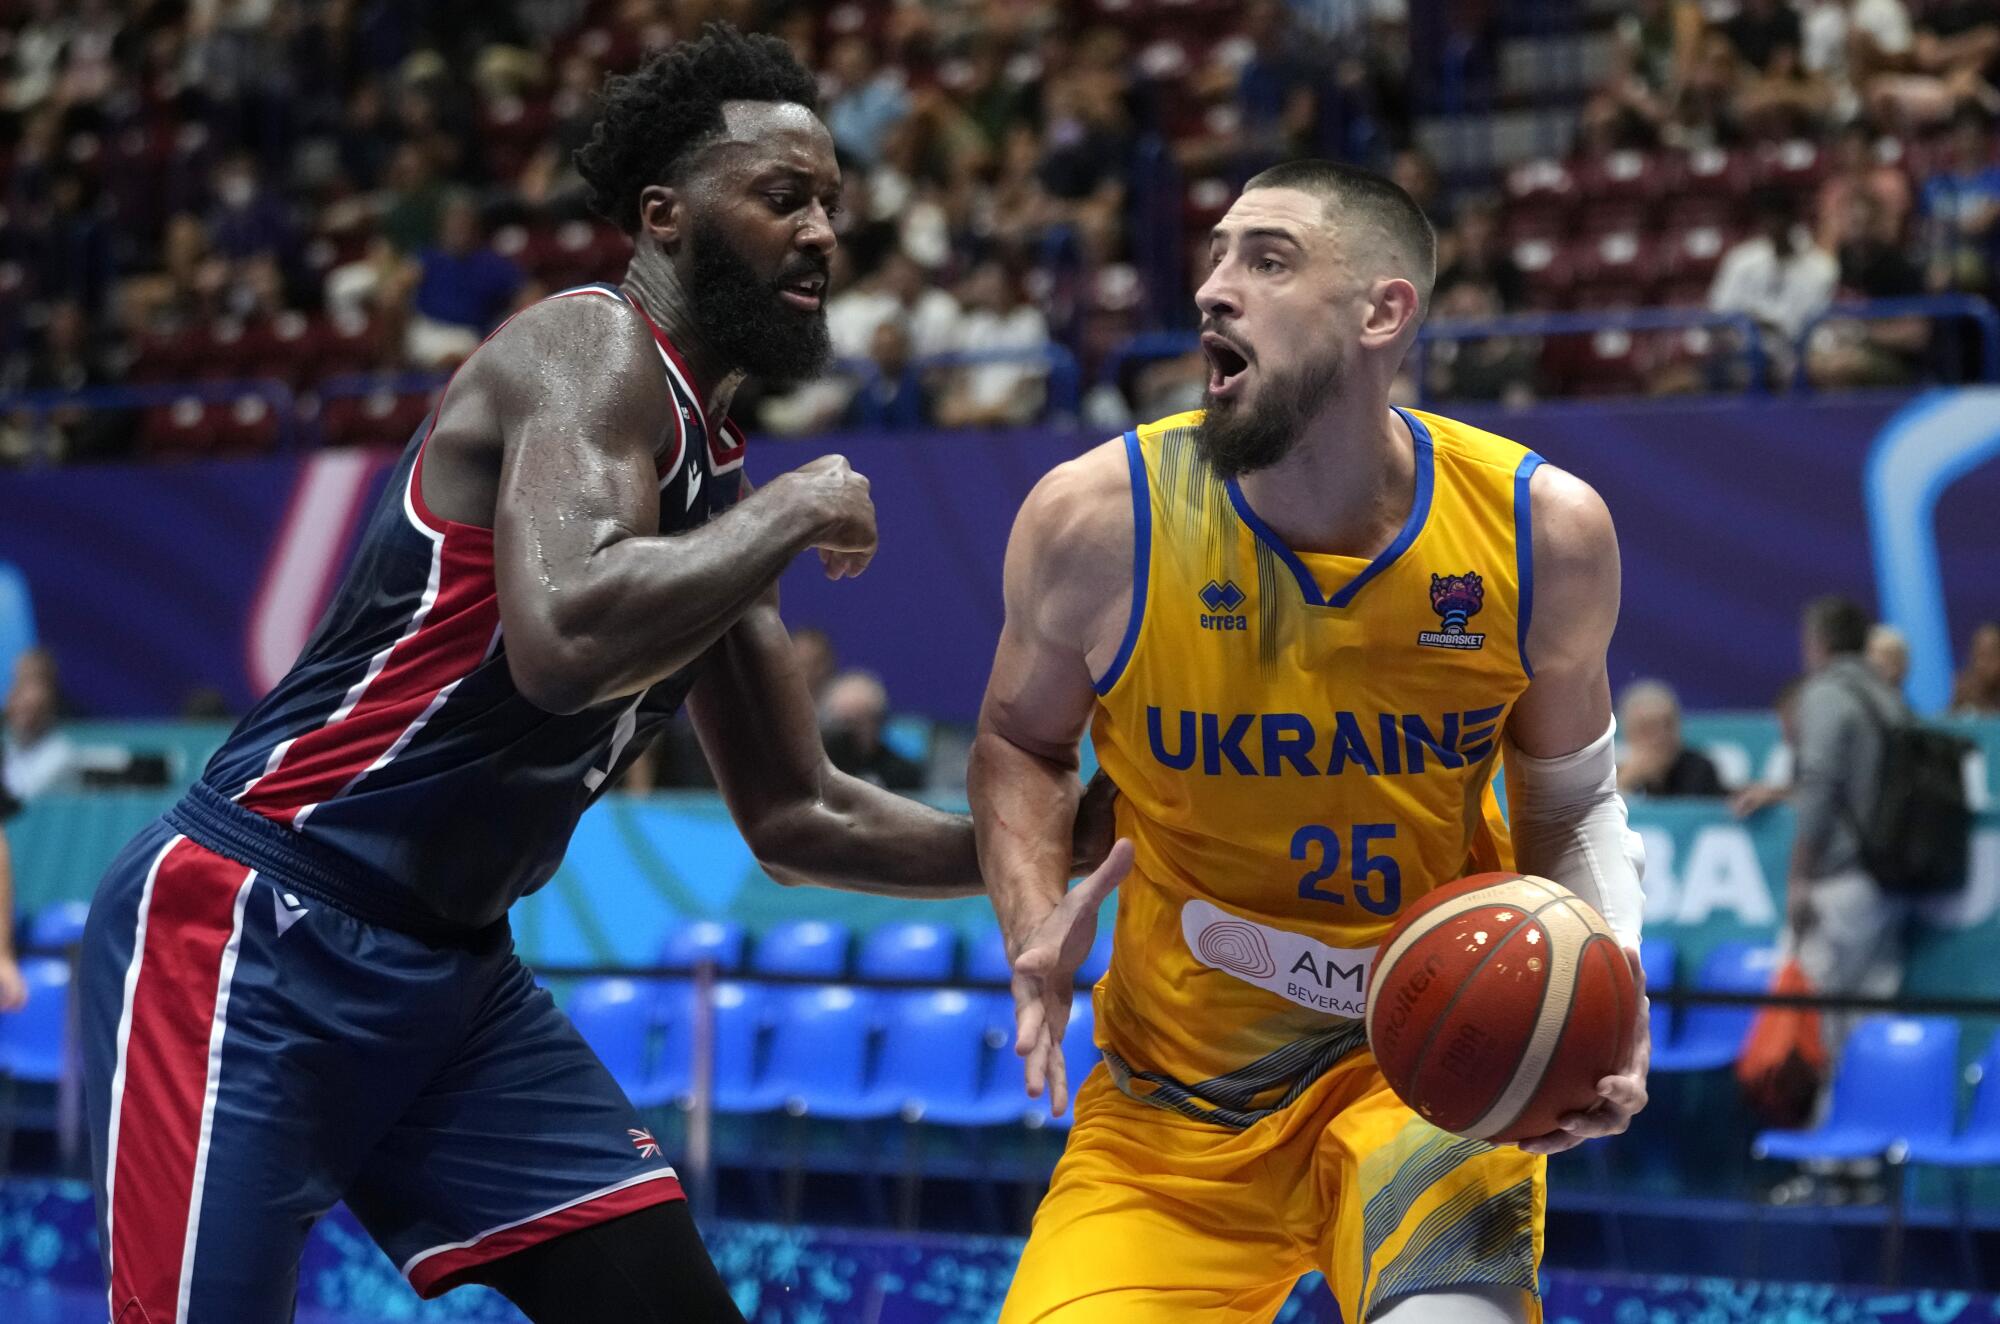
650, 120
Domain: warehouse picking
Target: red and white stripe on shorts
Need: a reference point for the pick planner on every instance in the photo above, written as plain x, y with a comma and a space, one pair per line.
168, 1071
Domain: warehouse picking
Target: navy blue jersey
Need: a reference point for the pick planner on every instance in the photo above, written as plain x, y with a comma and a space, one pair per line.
398, 740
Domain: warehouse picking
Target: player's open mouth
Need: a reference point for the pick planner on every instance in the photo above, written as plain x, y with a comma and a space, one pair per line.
806, 293
1226, 365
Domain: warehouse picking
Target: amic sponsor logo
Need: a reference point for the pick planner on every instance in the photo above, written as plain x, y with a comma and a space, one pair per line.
1221, 601
1319, 744
1456, 599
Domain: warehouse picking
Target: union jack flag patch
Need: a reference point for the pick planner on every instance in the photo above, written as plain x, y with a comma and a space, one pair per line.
643, 1142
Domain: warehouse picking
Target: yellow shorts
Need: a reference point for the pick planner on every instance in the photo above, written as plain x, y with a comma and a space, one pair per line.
1153, 1217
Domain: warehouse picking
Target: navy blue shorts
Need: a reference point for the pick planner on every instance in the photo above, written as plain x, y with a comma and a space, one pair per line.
253, 1054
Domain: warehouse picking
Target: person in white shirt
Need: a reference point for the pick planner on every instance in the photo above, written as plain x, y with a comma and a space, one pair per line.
997, 318
34, 756
1779, 276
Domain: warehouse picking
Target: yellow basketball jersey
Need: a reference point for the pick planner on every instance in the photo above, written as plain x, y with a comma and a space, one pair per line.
1304, 745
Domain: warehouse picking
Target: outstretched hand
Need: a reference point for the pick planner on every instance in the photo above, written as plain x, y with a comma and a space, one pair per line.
1045, 977
1619, 1097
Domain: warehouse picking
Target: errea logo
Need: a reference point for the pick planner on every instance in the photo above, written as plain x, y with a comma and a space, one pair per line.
1222, 600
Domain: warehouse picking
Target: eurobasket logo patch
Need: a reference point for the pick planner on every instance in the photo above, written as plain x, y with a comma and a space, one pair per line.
1456, 599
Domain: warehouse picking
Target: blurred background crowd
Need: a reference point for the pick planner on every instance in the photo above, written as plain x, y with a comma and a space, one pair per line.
318, 192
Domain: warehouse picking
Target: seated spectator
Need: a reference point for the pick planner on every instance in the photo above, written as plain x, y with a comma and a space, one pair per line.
1953, 62
463, 288
67, 357
814, 653
1656, 763
248, 218
1887, 654
1778, 276
997, 318
863, 101
1490, 368
1774, 784
35, 757
1977, 693
1766, 34
1857, 170
1846, 42
1706, 113
1472, 251
1872, 266
852, 715
1961, 206
893, 395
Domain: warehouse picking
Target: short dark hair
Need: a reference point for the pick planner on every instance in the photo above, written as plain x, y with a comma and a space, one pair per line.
1839, 623
1376, 199
650, 121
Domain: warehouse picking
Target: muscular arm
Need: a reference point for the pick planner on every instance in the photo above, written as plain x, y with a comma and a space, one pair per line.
806, 821
595, 603
1068, 588
1577, 584
12, 992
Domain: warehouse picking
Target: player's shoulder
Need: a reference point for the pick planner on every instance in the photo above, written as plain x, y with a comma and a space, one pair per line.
1076, 525
586, 329
1463, 442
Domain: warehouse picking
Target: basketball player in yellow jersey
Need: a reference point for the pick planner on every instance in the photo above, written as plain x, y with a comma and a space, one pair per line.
1302, 626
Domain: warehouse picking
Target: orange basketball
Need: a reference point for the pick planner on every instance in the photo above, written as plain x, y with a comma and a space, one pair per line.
1496, 1005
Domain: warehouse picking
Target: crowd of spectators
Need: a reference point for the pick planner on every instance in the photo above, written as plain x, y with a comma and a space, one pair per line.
309, 189
299, 189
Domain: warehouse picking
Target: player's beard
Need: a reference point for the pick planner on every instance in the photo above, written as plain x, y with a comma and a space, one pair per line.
742, 318
1237, 437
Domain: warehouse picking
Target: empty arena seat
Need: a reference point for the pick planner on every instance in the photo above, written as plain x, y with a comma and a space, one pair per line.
379, 418
1976, 1144
714, 940
345, 343
818, 1063
741, 1014
1543, 180
911, 950
1711, 1036
944, 1061
184, 427
31, 1039
1659, 958
247, 425
58, 924
1896, 1084
1624, 176
808, 947
986, 959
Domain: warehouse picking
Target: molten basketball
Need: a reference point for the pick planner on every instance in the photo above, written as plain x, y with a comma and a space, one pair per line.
1496, 1005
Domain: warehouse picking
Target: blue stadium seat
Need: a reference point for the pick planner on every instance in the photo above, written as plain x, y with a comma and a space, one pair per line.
810, 948
741, 1013
1080, 1057
31, 1039
615, 1017
1098, 960
1659, 957
694, 941
936, 1051
58, 924
1711, 1037
1000, 1097
986, 960
1896, 1084
819, 1054
17, 619
1977, 1143
910, 950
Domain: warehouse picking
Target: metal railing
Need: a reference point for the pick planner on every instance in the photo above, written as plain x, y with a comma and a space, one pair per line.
1748, 338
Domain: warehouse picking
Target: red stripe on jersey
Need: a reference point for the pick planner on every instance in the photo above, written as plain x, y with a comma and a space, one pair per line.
432, 1272
719, 455
188, 921
449, 641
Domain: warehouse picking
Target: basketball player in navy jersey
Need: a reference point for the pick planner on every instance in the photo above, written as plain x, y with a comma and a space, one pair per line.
299, 985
